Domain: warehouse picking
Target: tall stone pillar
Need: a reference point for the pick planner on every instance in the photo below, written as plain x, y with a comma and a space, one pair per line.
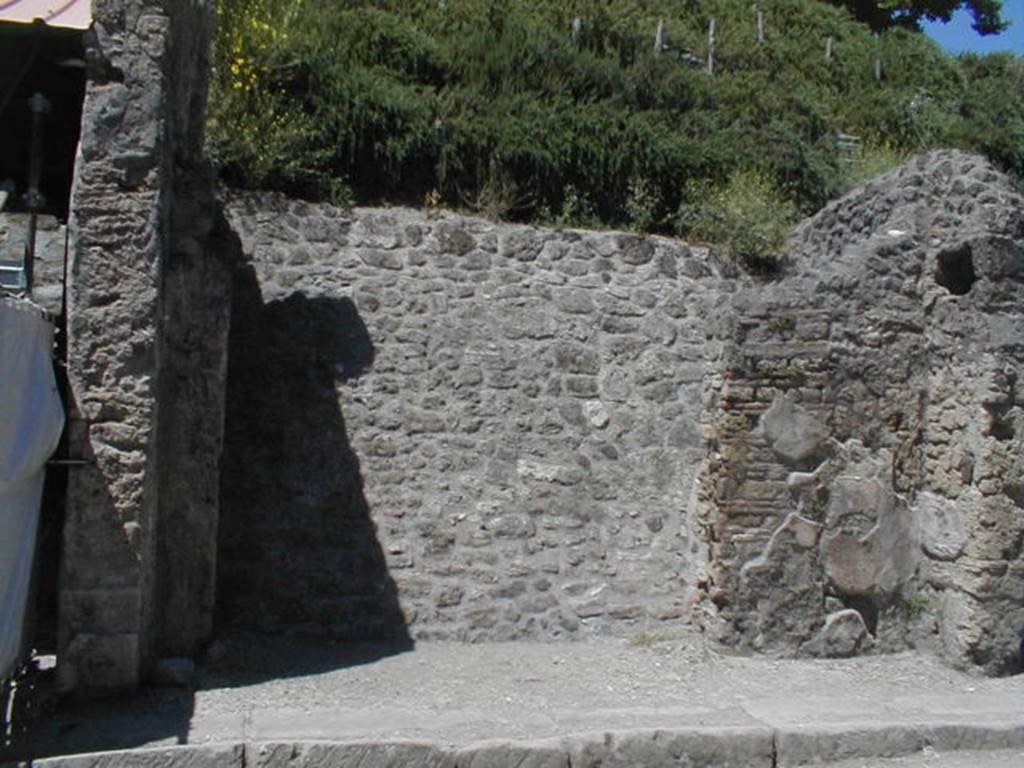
139, 152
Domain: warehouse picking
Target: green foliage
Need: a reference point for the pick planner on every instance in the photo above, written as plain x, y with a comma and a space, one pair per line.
882, 14
642, 205
645, 638
577, 210
793, 372
873, 159
747, 214
497, 106
913, 606
815, 508
781, 324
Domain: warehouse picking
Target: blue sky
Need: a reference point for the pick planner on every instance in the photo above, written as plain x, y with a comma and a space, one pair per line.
957, 36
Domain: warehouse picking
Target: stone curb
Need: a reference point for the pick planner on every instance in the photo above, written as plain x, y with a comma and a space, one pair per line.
797, 745
734, 747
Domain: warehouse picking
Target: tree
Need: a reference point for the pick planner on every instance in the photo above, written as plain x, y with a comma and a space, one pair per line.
883, 14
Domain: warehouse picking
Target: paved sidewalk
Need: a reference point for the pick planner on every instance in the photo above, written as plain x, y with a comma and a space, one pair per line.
597, 702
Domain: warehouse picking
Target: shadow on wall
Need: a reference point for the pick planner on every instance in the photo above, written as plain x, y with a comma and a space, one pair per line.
298, 550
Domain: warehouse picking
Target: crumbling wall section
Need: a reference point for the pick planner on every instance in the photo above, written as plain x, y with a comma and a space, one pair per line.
442, 427
143, 106
864, 486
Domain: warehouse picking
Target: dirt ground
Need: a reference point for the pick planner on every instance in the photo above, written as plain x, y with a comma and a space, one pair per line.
256, 688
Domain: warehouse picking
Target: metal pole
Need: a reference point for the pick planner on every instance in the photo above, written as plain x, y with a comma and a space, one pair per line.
39, 105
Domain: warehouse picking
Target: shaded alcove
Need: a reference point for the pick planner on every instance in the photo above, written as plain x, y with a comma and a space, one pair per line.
954, 270
36, 58
298, 550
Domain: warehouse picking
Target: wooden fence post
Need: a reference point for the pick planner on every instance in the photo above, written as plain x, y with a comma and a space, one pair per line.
659, 37
711, 47
828, 48
577, 29
760, 23
878, 58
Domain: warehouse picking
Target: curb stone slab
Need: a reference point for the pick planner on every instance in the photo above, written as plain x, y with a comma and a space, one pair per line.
730, 747
719, 747
500, 754
347, 755
213, 756
816, 744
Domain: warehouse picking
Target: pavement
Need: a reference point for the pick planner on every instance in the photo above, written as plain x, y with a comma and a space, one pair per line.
642, 701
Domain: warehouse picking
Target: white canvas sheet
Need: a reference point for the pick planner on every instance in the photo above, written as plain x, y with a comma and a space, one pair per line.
31, 420
75, 14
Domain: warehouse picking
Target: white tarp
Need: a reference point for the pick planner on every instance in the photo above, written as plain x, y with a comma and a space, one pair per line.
31, 420
76, 14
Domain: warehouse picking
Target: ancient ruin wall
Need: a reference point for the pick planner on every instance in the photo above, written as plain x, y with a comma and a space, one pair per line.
446, 428
128, 285
442, 427
864, 487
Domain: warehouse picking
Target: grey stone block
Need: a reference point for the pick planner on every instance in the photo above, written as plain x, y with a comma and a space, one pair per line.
346, 755
214, 756
818, 744
734, 747
507, 755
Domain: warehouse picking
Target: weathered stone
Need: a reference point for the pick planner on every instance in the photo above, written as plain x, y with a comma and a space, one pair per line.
147, 322
596, 413
191, 756
635, 250
498, 755
844, 634
795, 434
939, 527
382, 259
455, 240
347, 755
574, 301
877, 367
728, 747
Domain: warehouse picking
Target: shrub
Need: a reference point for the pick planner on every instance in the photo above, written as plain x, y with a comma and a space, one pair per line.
746, 215
872, 159
496, 105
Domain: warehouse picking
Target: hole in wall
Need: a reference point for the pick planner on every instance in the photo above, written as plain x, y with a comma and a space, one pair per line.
1000, 425
954, 270
1015, 491
866, 607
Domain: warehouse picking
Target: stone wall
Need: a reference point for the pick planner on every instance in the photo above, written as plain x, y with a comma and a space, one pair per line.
866, 459
129, 349
446, 428
439, 427
450, 428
